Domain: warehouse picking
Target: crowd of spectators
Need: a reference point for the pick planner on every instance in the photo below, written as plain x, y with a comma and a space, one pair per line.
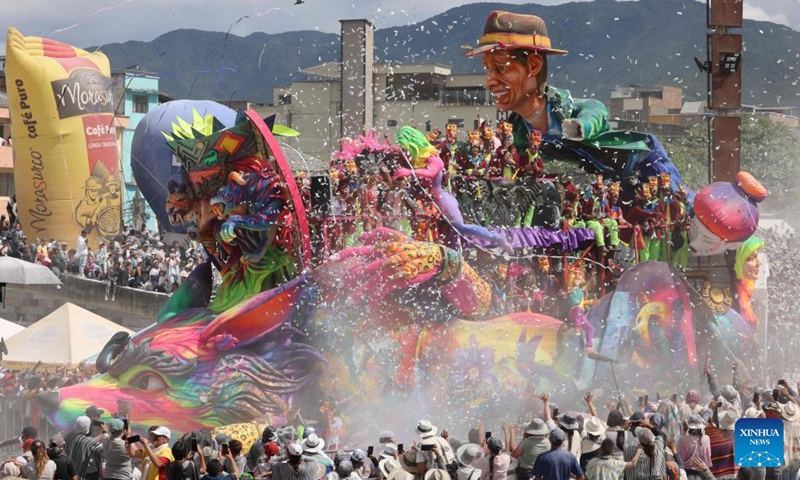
784, 263
135, 258
680, 436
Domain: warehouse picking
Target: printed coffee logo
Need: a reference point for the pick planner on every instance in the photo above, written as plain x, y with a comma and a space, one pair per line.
85, 91
758, 442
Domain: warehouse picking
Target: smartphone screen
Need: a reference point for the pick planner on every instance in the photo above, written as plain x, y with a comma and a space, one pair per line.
641, 400
426, 448
370, 449
756, 398
487, 435
194, 444
225, 449
400, 448
133, 439
125, 424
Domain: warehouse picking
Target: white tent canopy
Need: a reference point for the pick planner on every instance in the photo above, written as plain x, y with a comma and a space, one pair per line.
8, 329
65, 337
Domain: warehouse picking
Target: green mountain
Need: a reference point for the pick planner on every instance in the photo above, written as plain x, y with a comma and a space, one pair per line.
646, 42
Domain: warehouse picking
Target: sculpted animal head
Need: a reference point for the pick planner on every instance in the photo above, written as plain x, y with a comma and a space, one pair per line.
198, 369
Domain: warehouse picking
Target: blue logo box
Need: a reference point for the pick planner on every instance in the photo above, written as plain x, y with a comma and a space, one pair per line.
759, 442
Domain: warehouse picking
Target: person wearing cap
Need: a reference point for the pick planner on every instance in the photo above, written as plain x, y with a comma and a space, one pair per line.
157, 456
361, 467
607, 466
85, 451
296, 467
313, 447
26, 433
516, 49
557, 463
65, 469
116, 451
271, 454
695, 445
534, 443
94, 415
652, 465
466, 456
494, 465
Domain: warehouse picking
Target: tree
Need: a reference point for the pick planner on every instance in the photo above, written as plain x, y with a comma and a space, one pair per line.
768, 151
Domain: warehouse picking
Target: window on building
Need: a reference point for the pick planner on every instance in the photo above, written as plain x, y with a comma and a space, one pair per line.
464, 96
391, 123
141, 104
6, 184
476, 124
285, 99
414, 86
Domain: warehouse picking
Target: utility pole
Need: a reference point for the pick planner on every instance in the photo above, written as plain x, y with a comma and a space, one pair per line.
723, 67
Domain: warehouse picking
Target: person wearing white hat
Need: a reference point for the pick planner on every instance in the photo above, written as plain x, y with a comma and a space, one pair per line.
312, 450
534, 443
694, 445
790, 415
595, 431
157, 457
386, 466
295, 467
465, 455
429, 455
389, 451
427, 431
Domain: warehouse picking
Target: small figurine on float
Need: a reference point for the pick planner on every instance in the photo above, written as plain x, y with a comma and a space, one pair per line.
531, 162
576, 301
428, 169
505, 161
592, 212
474, 164
490, 143
641, 216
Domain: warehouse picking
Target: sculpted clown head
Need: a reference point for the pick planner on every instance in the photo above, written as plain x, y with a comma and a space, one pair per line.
726, 214
515, 49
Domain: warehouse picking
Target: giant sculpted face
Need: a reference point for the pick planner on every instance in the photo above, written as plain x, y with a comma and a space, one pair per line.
512, 81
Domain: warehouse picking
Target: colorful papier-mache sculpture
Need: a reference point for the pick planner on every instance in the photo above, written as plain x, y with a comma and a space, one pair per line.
391, 318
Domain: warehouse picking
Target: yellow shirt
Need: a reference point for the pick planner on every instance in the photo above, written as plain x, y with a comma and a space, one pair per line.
152, 473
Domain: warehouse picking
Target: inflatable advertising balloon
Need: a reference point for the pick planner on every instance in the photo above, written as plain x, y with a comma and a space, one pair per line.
66, 171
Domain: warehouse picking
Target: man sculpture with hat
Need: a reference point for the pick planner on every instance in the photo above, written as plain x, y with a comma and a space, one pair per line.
515, 49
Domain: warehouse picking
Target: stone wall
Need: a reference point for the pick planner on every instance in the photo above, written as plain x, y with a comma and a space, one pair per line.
132, 308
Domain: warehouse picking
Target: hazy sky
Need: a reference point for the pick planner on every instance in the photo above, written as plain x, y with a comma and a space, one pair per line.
96, 22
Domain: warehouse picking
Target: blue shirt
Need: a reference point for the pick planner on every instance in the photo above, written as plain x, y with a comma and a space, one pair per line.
556, 464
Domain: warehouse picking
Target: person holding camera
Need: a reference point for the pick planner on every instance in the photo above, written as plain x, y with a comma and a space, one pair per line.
158, 456
117, 451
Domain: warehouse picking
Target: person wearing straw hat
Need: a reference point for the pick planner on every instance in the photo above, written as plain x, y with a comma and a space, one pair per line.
595, 433
695, 445
386, 466
516, 49
312, 450
534, 443
790, 415
465, 455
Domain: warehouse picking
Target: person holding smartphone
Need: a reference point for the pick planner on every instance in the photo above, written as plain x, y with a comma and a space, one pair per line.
117, 451
156, 456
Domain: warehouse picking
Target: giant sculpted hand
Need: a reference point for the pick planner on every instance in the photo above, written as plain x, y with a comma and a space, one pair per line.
389, 261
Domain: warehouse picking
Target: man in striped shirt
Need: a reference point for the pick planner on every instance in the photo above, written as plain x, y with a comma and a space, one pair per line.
607, 466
